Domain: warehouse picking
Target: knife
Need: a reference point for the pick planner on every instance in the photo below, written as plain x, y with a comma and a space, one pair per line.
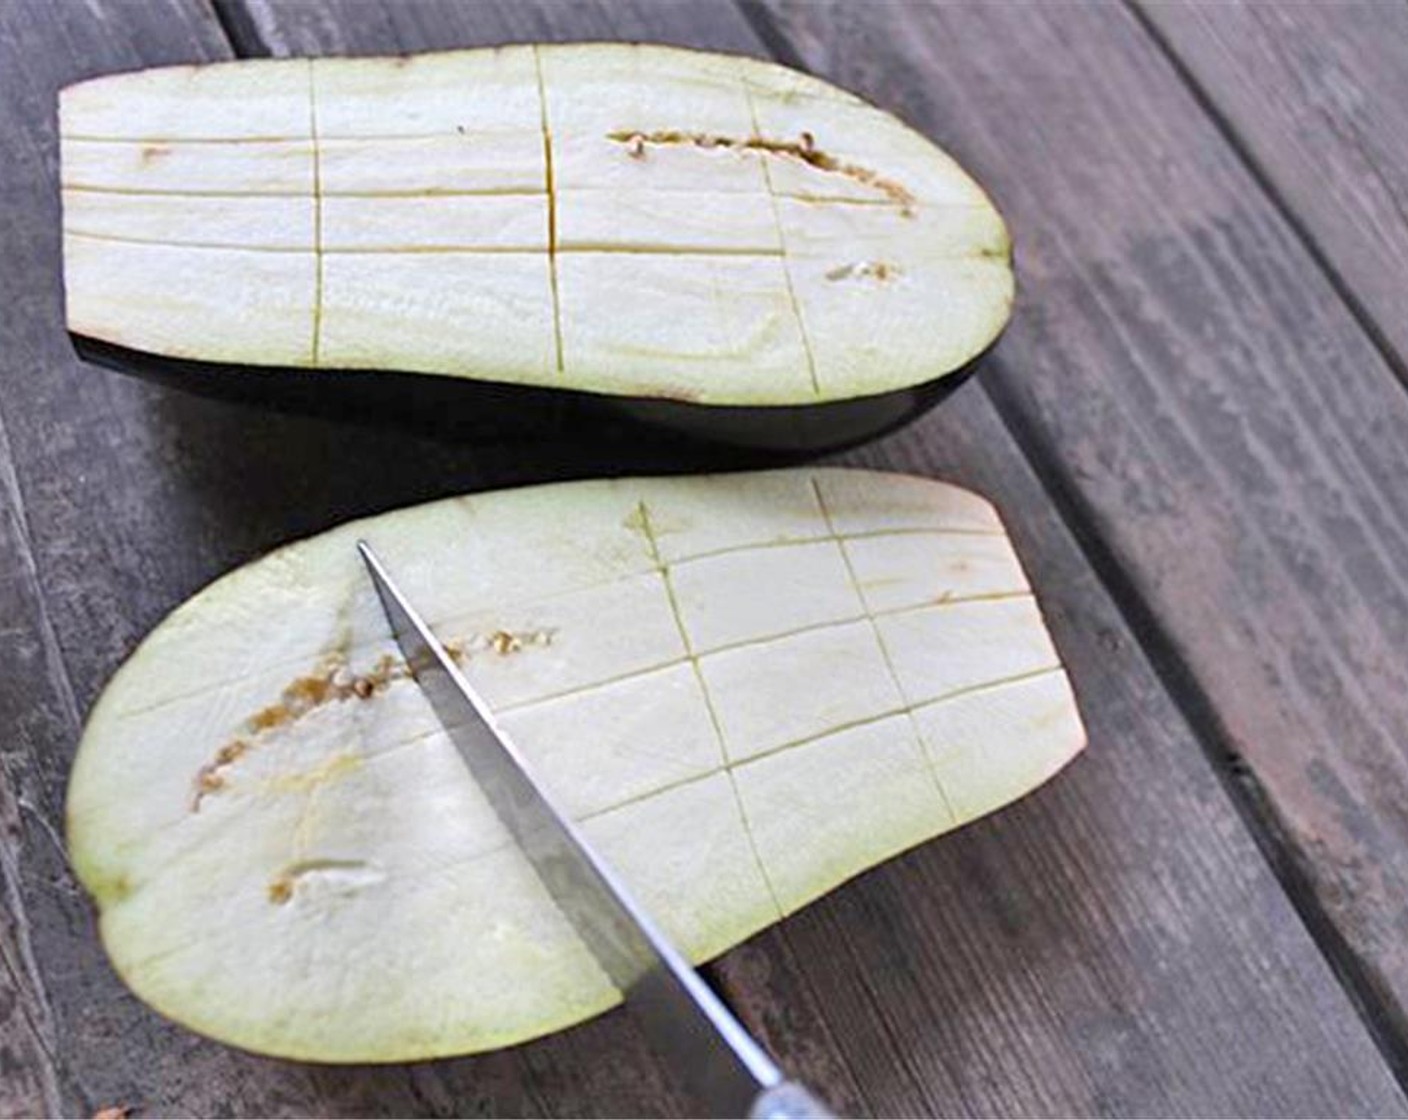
715, 1057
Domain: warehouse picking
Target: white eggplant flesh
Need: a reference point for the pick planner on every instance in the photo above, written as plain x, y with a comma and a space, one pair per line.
626, 220
746, 688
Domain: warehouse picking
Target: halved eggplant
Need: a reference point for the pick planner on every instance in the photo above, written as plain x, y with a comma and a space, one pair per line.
747, 688
708, 241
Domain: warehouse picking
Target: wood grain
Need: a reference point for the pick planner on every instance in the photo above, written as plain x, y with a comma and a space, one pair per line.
1113, 945
349, 27
1225, 437
120, 500
1313, 95
888, 1083
38, 710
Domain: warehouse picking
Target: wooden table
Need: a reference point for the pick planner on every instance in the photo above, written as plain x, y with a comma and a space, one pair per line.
1197, 425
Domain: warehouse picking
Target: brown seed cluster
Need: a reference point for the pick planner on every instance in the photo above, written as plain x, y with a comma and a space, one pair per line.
334, 682
501, 642
875, 270
280, 891
804, 149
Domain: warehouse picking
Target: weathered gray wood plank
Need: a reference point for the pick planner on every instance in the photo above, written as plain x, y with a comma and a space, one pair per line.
1113, 945
1317, 97
879, 1030
333, 27
1228, 441
38, 710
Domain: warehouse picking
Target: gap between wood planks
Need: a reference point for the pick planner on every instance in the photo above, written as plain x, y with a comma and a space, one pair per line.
1386, 1025
1254, 808
239, 29
1360, 313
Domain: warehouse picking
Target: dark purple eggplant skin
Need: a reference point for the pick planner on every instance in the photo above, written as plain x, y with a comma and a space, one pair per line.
474, 411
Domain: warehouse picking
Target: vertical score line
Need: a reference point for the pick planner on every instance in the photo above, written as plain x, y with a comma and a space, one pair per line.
692, 658
552, 208
782, 242
317, 216
924, 754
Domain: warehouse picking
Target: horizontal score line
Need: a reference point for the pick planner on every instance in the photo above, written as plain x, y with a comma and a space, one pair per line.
977, 255
490, 192
430, 250
309, 195
668, 662
302, 138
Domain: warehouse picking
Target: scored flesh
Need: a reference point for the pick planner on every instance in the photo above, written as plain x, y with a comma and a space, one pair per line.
747, 688
627, 220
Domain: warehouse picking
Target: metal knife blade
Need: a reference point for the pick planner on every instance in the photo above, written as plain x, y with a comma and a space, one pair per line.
717, 1060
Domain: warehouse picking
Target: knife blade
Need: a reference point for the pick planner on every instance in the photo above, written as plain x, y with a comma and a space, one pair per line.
715, 1057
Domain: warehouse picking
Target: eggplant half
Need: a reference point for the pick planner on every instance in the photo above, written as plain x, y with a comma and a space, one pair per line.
746, 688
709, 243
